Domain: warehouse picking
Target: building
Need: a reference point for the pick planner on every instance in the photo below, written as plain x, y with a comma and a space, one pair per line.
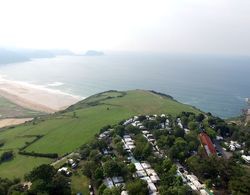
207, 144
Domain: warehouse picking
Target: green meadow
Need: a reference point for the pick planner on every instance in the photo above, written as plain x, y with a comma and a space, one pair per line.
65, 131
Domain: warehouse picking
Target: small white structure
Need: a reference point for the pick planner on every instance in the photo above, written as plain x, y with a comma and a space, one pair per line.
194, 180
70, 161
186, 131
104, 135
204, 192
151, 172
124, 192
138, 166
145, 165
117, 180
128, 122
147, 179
154, 178
246, 158
65, 169
232, 147
145, 132
108, 182
128, 140
141, 174
126, 136
152, 188
219, 138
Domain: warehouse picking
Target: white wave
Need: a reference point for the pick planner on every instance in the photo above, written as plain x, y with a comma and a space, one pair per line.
55, 84
4, 80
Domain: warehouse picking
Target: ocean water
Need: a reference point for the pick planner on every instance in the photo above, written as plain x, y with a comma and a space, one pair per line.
213, 84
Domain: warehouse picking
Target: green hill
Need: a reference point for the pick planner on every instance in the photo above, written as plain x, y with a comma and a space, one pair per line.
65, 131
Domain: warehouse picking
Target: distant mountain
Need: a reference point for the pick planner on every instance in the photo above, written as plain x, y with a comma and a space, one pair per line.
7, 57
94, 53
20, 55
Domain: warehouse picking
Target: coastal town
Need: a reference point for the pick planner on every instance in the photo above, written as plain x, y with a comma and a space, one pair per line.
120, 162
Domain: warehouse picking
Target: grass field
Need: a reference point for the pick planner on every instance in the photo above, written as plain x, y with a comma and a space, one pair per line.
79, 183
64, 133
20, 165
9, 109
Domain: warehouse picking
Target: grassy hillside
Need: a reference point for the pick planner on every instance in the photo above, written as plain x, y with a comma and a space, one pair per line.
65, 131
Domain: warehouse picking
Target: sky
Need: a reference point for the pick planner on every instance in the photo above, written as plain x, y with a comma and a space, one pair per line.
173, 26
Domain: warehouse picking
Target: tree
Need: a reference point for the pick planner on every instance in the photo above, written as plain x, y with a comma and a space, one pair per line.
112, 191
200, 117
84, 152
44, 172
105, 128
192, 125
173, 190
179, 132
211, 133
101, 189
89, 168
131, 168
132, 129
119, 148
60, 185
142, 150
74, 115
98, 173
7, 185
166, 165
179, 150
151, 124
184, 121
162, 141
95, 155
119, 130
240, 185
138, 187
46, 180
111, 168
142, 118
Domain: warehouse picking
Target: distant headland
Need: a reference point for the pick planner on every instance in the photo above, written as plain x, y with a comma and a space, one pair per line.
94, 53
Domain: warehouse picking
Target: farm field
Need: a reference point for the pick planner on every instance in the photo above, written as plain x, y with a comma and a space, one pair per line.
65, 131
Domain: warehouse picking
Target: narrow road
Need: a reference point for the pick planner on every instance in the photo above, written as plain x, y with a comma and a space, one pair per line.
62, 159
224, 153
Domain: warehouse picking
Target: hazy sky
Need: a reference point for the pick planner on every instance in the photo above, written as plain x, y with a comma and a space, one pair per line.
192, 26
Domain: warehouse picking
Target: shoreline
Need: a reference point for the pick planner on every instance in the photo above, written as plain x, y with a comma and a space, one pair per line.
36, 97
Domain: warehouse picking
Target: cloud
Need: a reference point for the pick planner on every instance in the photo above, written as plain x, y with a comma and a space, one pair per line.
192, 26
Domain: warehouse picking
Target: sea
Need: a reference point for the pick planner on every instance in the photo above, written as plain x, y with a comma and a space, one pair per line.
216, 84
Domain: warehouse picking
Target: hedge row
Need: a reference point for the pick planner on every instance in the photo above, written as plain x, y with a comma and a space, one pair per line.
27, 144
35, 154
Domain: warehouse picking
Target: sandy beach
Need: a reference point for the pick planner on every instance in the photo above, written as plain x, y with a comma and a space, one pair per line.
13, 121
35, 97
